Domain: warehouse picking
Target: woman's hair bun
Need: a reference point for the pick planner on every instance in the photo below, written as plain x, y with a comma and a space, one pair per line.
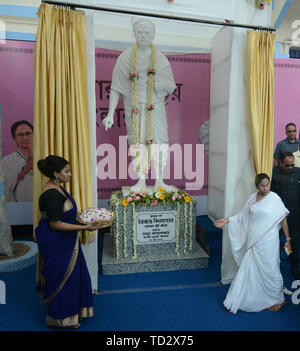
42, 165
51, 164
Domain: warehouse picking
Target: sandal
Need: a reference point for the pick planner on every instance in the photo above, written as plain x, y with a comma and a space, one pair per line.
277, 307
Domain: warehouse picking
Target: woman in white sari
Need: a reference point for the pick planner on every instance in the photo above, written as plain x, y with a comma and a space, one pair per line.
254, 236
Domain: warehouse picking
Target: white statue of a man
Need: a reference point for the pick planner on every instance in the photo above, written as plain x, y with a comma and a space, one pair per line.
143, 77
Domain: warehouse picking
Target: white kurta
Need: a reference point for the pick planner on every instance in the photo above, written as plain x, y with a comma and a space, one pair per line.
163, 85
12, 164
254, 237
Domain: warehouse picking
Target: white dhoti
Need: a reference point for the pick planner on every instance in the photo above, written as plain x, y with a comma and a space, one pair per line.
160, 141
159, 123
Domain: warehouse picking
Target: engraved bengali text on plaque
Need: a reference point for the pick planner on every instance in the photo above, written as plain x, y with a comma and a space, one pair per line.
155, 227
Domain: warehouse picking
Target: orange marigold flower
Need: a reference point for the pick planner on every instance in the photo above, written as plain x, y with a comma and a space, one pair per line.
160, 189
125, 202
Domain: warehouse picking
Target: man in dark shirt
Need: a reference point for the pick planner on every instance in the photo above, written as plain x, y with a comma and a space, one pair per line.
286, 183
289, 144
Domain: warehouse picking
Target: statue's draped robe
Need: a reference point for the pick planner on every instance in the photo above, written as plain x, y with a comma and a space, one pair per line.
163, 85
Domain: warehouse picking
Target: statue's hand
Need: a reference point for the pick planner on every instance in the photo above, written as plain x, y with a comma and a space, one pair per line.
108, 121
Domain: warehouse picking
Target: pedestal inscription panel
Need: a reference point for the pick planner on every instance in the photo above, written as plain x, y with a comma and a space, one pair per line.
155, 227
147, 238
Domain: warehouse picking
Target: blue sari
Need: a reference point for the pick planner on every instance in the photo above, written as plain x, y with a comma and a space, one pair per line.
67, 289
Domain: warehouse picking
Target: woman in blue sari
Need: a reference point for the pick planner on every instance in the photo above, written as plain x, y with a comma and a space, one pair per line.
67, 289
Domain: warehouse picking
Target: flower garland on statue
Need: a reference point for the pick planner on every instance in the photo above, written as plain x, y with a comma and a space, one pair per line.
117, 232
185, 227
177, 228
191, 226
124, 236
133, 76
133, 232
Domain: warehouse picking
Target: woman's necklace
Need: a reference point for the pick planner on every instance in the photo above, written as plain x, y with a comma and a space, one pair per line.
135, 112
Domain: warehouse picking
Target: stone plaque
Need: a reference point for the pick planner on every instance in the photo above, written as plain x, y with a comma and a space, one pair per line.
155, 227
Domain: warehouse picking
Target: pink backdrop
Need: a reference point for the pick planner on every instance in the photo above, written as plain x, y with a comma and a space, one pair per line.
187, 109
16, 87
287, 96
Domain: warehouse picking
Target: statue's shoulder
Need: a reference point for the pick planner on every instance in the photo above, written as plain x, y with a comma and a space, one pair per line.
124, 57
125, 53
162, 59
160, 54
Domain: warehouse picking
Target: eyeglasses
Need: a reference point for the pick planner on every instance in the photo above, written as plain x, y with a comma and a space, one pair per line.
289, 165
291, 131
22, 135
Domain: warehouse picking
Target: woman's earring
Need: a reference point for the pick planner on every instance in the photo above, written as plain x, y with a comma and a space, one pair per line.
56, 181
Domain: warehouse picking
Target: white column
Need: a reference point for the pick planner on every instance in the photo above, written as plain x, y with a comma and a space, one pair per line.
91, 250
231, 172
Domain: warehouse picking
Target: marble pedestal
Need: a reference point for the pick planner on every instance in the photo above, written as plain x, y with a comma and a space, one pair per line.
16, 264
165, 241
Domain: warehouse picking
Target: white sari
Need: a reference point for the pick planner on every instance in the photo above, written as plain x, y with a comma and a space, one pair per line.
254, 237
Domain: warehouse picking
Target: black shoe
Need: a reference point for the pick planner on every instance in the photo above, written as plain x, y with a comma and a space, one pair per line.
295, 272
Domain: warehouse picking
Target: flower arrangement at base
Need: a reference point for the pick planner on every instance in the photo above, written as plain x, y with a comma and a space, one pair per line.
125, 208
160, 196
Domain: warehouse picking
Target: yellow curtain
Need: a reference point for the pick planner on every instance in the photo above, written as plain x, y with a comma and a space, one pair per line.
260, 90
61, 119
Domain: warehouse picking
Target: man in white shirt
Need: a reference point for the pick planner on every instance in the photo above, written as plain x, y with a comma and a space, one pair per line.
17, 166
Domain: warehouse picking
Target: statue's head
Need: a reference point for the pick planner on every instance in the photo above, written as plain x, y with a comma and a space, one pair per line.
144, 31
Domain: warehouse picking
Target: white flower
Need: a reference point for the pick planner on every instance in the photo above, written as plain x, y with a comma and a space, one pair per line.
157, 194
